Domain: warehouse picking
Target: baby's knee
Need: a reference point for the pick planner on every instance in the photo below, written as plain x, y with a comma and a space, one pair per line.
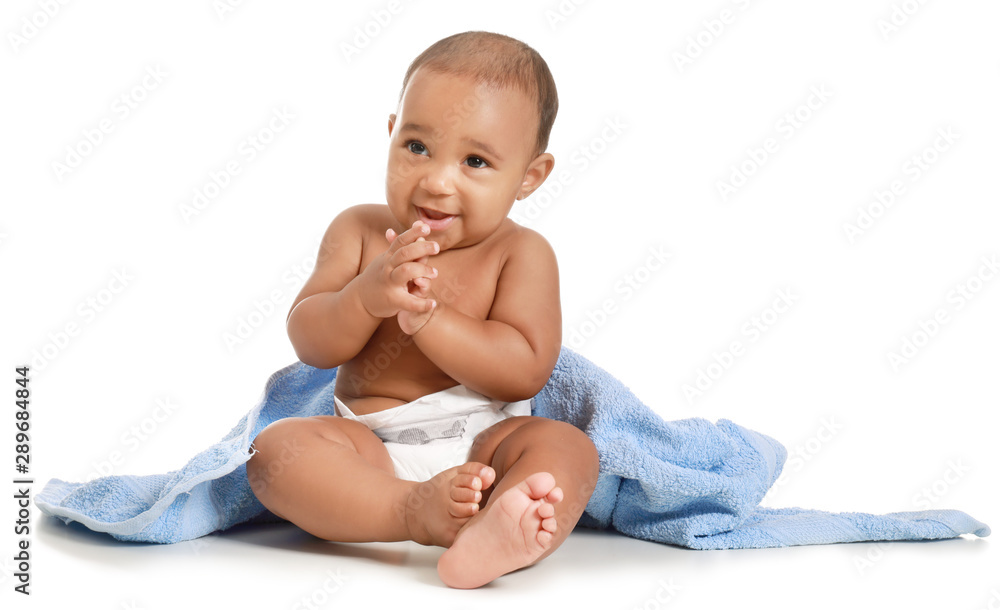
584, 462
276, 436
564, 437
275, 445
577, 442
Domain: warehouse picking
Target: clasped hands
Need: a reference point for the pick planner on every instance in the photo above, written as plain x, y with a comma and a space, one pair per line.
398, 282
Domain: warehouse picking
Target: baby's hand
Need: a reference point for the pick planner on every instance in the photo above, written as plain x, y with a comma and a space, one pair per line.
412, 321
392, 282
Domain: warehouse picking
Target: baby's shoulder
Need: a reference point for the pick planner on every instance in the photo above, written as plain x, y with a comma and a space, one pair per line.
522, 241
364, 215
358, 223
351, 230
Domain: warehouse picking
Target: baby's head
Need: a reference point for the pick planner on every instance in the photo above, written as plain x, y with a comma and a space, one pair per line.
497, 61
469, 135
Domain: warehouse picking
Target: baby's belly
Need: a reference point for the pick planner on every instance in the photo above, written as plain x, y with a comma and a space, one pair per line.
388, 372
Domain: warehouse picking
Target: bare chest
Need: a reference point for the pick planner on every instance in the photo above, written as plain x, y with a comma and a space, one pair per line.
390, 364
467, 277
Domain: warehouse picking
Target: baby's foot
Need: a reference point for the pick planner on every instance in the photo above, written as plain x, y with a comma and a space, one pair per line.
516, 530
436, 509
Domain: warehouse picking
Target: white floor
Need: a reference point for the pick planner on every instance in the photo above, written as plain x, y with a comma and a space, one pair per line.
279, 566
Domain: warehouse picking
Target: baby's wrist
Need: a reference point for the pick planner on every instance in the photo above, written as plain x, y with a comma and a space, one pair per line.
433, 313
359, 297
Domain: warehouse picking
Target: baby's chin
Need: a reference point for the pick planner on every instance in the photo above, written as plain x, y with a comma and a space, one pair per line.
463, 235
446, 240
454, 240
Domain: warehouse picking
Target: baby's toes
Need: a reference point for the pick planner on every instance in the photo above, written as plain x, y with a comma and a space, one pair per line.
539, 485
544, 538
485, 473
465, 501
555, 496
468, 482
463, 510
550, 525
545, 526
547, 515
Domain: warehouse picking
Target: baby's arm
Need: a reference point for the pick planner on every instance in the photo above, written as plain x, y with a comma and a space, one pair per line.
510, 355
340, 306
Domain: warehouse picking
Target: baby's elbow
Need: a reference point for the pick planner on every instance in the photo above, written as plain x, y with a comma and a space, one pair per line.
315, 361
307, 349
320, 364
319, 359
530, 380
540, 371
535, 385
525, 387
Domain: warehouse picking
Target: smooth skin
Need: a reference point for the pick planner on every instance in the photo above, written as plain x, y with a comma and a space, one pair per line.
475, 302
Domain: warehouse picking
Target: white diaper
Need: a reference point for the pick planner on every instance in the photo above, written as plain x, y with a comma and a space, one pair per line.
435, 432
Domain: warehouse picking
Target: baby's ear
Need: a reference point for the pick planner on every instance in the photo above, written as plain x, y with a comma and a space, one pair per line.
538, 170
392, 122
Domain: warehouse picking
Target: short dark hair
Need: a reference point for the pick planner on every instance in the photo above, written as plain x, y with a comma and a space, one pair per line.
498, 61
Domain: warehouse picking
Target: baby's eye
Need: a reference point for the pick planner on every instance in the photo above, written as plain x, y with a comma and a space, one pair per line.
416, 147
476, 162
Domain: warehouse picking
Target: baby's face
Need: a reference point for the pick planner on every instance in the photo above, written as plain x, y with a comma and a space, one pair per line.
459, 155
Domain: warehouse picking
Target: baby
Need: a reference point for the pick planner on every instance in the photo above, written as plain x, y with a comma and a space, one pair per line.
443, 316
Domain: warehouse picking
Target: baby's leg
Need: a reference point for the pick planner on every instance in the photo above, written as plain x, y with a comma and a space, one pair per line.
333, 478
546, 471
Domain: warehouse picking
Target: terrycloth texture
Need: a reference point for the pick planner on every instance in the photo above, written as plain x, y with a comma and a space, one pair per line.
697, 484
689, 482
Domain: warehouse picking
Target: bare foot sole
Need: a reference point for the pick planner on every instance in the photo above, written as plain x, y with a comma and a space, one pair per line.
516, 530
436, 509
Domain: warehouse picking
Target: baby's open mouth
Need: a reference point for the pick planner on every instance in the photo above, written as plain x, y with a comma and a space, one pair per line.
436, 220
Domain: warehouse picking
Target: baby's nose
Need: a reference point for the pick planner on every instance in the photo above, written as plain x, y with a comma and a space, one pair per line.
439, 178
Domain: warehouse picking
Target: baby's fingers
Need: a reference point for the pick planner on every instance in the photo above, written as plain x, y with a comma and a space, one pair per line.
418, 251
422, 284
418, 304
427, 305
419, 229
408, 272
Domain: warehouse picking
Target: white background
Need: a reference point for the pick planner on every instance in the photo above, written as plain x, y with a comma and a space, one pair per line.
822, 364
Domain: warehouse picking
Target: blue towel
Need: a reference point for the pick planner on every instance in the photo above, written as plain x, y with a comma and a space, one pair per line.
690, 482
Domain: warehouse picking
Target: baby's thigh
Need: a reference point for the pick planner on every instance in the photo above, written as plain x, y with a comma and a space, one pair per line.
294, 435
